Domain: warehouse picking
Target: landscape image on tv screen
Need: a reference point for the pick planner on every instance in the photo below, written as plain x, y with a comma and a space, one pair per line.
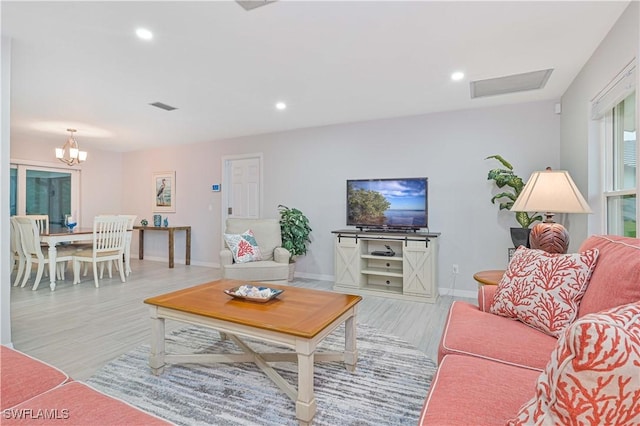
399, 203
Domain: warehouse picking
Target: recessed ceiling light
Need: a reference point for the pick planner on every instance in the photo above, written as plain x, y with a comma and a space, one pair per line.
457, 76
281, 105
144, 34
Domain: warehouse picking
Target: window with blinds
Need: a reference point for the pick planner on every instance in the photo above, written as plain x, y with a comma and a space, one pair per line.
616, 109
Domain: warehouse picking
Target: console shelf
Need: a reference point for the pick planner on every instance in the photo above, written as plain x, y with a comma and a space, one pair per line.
411, 273
381, 272
390, 258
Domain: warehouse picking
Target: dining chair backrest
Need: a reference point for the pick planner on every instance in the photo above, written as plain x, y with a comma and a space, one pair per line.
17, 254
109, 233
29, 236
16, 245
42, 221
131, 220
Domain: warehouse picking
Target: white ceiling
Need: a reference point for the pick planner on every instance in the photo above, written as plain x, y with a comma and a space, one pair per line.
79, 64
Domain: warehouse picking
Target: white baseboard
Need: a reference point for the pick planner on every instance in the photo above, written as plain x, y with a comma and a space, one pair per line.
467, 294
180, 261
318, 277
443, 291
206, 264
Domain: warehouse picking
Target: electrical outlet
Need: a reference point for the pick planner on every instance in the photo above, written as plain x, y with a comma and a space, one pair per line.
455, 268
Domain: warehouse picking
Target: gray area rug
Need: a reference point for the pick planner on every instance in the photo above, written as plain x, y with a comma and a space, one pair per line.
388, 387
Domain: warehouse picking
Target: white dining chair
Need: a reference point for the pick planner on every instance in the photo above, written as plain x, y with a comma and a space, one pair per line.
33, 252
131, 219
109, 238
42, 220
17, 255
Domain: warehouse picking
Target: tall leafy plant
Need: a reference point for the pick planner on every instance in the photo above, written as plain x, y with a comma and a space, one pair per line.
295, 229
512, 186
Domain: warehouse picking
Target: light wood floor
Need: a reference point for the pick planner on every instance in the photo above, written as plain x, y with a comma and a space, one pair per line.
80, 328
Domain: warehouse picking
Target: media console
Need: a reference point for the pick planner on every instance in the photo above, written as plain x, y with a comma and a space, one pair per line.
411, 273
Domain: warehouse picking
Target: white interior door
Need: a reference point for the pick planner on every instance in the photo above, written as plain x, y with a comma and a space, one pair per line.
243, 194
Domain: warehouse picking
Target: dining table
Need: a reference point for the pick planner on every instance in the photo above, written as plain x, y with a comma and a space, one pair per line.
57, 236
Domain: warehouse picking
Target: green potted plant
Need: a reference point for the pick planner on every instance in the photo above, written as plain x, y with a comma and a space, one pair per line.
295, 230
512, 186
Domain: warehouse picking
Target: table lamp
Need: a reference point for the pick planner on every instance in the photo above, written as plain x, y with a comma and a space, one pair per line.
550, 191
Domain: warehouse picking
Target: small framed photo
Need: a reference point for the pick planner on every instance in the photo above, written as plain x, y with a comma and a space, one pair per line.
512, 250
164, 192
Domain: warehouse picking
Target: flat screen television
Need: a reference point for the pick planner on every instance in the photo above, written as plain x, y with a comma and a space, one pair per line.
388, 204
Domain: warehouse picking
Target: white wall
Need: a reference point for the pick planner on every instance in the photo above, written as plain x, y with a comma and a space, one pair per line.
5, 286
308, 169
579, 152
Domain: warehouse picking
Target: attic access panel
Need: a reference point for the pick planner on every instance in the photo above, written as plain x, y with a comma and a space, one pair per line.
252, 4
510, 84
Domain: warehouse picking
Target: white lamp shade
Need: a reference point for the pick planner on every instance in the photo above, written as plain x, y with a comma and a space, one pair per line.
70, 153
551, 191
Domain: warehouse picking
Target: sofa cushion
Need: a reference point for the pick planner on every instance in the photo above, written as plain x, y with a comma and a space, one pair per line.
544, 290
75, 403
593, 376
244, 247
24, 377
266, 270
470, 331
474, 391
616, 279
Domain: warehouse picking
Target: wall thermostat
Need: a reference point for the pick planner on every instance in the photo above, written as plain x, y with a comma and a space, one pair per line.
215, 187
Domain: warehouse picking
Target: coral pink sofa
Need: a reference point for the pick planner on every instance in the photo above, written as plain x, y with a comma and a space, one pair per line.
490, 365
36, 393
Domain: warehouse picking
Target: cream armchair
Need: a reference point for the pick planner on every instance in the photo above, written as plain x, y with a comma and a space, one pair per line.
273, 267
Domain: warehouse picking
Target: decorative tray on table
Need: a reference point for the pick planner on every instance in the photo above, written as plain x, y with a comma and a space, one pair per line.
253, 293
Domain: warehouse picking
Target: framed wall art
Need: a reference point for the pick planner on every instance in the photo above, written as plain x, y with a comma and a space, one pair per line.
164, 192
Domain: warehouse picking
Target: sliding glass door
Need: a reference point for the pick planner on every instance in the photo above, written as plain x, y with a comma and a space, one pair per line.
44, 190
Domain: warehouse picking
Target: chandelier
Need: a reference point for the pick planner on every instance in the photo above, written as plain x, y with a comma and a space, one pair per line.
70, 153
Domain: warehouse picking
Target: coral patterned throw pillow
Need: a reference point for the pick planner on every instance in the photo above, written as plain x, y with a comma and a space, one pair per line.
593, 377
544, 290
244, 247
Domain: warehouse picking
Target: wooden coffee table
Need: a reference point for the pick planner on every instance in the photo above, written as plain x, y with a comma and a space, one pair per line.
298, 318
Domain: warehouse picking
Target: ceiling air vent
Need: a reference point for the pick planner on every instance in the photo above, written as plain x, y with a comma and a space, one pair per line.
163, 106
252, 4
510, 83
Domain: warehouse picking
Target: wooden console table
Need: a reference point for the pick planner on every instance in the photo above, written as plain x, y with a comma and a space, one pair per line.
171, 230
